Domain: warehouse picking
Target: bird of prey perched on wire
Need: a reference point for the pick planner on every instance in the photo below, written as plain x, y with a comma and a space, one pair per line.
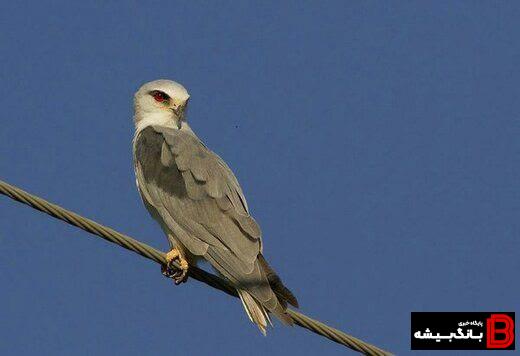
199, 204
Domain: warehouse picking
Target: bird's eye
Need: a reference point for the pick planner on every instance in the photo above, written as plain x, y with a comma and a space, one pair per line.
159, 96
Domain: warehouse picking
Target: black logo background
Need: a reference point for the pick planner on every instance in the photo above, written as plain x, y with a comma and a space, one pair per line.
446, 323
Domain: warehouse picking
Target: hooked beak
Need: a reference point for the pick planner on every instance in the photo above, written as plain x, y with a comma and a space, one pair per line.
178, 109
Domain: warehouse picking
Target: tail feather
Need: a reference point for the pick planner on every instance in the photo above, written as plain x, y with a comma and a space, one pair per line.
255, 311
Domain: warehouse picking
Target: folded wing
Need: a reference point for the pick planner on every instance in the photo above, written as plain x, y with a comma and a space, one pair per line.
199, 200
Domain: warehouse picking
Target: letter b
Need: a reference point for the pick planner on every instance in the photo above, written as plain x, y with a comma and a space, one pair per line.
492, 331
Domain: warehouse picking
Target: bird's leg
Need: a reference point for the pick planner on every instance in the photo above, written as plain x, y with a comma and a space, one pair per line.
179, 275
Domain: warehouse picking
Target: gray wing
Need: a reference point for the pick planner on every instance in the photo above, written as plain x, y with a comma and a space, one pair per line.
200, 201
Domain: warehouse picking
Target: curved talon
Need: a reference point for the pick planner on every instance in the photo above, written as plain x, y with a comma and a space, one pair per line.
179, 275
166, 271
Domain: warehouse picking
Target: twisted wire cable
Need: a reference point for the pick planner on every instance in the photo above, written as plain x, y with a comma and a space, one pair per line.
194, 272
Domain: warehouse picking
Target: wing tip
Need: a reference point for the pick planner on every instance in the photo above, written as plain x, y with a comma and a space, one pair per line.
283, 293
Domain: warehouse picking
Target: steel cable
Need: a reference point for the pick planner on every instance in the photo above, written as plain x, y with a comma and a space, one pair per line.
159, 257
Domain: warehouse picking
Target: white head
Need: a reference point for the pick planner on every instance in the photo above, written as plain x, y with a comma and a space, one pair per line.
161, 102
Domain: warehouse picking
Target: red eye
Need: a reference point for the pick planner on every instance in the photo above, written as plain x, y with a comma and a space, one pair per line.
159, 96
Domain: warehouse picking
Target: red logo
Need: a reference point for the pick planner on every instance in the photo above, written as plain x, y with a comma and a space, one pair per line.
507, 330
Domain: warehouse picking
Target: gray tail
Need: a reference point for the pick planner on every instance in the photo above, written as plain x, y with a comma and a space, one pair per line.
258, 313
255, 311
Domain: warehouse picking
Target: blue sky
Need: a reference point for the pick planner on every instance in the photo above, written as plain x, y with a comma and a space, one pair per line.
377, 144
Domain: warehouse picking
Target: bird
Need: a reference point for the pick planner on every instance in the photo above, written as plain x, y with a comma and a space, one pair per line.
197, 200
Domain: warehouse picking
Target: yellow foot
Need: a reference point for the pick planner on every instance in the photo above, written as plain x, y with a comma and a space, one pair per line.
173, 254
179, 275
